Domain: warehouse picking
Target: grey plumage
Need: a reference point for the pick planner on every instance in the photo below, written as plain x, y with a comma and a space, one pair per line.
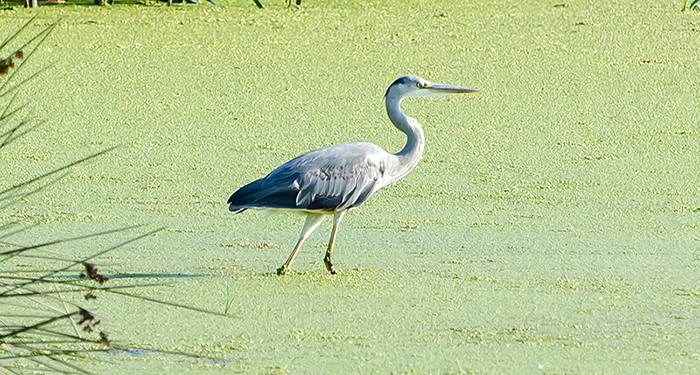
334, 179
331, 178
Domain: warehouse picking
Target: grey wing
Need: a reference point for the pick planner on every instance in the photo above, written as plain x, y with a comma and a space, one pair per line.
332, 178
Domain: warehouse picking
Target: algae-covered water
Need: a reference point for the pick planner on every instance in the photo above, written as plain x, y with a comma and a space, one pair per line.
553, 225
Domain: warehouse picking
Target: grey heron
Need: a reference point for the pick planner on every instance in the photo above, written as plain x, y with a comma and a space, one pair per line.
335, 179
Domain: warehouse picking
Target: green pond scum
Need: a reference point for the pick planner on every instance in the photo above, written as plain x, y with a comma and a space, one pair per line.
552, 227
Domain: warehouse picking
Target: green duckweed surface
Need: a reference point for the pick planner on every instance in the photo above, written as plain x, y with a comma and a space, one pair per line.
552, 227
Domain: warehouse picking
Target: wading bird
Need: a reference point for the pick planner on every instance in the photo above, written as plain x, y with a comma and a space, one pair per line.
335, 179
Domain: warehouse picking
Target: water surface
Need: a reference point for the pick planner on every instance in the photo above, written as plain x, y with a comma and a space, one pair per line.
552, 226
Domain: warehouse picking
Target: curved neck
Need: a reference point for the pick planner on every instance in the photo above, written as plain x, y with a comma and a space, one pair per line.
409, 156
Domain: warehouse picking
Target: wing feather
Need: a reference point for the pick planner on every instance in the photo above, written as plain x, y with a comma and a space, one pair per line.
331, 178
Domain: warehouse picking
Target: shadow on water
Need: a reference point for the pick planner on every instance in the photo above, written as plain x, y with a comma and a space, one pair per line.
157, 276
141, 276
146, 352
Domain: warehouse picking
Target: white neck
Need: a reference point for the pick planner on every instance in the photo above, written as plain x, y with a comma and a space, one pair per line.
409, 156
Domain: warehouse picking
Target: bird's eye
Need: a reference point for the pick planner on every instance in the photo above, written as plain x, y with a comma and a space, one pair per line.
420, 85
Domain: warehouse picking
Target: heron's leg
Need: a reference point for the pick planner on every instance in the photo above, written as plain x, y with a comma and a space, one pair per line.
327, 259
312, 222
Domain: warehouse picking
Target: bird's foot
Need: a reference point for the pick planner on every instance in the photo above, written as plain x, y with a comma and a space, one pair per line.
282, 270
329, 265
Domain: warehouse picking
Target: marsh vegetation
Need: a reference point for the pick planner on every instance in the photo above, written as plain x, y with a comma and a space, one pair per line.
48, 321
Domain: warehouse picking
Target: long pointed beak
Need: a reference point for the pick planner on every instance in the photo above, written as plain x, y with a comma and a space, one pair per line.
437, 88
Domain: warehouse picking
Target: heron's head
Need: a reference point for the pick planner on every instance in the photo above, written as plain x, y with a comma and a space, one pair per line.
413, 86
